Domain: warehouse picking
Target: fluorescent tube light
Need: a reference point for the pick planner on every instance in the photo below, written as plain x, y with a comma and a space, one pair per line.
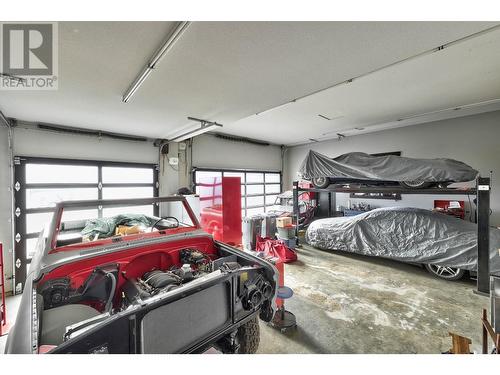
205, 126
155, 59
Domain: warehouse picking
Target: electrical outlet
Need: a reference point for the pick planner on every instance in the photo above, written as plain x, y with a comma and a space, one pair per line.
173, 161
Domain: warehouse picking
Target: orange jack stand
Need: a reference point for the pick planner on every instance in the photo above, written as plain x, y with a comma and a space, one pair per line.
283, 319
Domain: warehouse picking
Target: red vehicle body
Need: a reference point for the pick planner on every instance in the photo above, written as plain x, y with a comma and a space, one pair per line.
170, 288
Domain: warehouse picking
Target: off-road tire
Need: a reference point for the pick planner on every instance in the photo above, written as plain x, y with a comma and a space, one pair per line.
249, 337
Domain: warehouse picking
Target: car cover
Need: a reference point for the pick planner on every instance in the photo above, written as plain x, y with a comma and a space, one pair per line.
405, 234
106, 226
358, 165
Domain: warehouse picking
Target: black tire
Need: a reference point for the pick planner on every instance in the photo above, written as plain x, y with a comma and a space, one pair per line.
249, 337
321, 182
446, 273
415, 184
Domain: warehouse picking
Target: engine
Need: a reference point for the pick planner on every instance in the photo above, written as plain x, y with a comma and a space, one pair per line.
151, 283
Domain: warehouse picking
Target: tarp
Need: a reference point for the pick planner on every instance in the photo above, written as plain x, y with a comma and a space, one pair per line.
358, 165
275, 249
406, 234
105, 227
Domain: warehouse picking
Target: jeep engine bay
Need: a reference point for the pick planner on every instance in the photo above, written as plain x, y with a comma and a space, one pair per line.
72, 300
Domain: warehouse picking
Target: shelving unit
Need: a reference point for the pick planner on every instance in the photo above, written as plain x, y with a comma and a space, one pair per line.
481, 191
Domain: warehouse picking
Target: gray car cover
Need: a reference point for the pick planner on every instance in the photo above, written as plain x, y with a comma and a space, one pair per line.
406, 234
358, 165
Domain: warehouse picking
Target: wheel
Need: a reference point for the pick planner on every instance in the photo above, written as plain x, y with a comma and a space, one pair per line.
415, 184
321, 182
248, 336
447, 273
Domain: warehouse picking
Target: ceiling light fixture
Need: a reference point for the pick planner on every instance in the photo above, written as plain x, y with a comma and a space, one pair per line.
206, 126
158, 55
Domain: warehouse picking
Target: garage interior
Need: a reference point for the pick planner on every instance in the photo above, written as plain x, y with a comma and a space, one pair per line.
271, 92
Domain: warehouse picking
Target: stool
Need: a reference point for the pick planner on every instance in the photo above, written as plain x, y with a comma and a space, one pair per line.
283, 319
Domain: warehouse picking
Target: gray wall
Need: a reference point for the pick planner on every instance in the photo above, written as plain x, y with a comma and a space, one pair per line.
30, 142
474, 140
211, 152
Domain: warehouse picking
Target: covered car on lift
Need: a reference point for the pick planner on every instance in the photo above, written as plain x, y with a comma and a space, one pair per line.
447, 246
358, 167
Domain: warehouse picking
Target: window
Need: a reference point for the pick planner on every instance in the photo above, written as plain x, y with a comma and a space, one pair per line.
259, 190
41, 182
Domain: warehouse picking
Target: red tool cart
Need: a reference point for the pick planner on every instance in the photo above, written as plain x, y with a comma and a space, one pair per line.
220, 208
449, 207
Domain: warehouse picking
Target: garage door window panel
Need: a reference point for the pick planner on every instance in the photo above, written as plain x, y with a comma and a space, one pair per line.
271, 199
36, 222
60, 174
113, 211
126, 192
255, 189
121, 175
36, 198
258, 189
43, 182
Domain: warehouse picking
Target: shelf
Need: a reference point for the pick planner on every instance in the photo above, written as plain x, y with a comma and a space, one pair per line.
389, 189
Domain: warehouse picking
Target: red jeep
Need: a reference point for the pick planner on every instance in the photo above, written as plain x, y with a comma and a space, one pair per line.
134, 283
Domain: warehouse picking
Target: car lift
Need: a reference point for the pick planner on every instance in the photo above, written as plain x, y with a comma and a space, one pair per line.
481, 191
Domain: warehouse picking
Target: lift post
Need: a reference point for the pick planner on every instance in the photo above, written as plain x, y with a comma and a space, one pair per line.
296, 210
483, 235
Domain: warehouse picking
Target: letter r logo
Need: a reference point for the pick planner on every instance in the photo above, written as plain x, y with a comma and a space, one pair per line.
27, 49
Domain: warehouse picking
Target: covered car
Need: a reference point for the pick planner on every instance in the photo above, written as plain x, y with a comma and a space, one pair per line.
445, 244
360, 167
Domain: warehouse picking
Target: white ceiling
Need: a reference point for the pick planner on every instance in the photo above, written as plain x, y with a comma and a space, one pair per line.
229, 71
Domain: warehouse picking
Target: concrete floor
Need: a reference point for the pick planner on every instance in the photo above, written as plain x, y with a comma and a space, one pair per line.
12, 303
346, 303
